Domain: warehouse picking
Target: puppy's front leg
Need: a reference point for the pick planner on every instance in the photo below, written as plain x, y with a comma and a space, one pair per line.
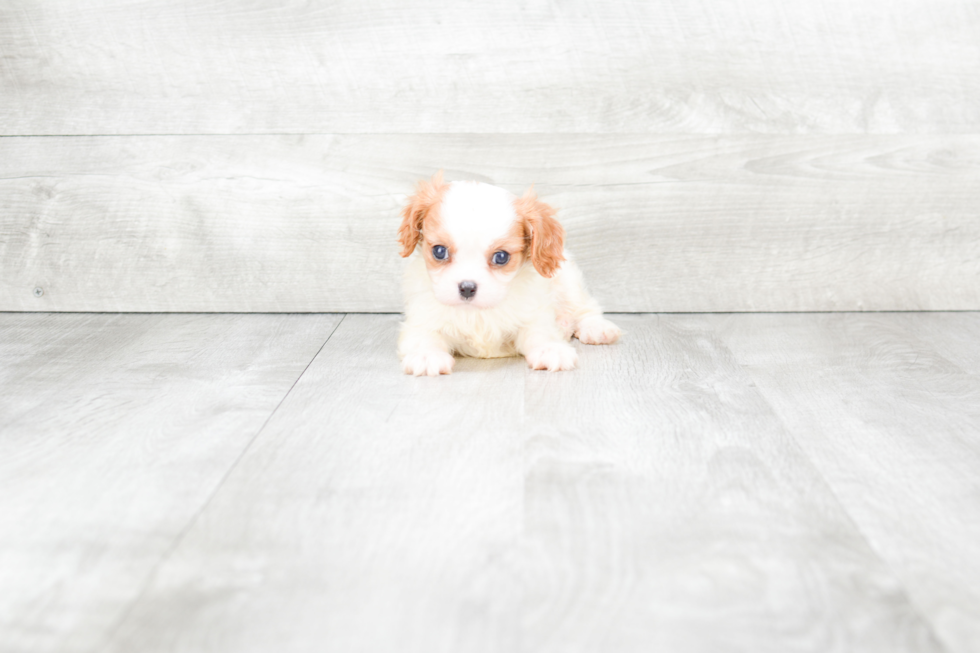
424, 353
545, 348
579, 313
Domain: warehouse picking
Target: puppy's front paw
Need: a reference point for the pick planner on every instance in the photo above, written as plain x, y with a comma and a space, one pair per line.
597, 330
553, 356
428, 363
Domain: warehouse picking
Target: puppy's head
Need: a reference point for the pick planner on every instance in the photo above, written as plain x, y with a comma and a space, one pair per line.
475, 238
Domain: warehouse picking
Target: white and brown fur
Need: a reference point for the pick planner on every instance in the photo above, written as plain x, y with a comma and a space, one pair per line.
531, 306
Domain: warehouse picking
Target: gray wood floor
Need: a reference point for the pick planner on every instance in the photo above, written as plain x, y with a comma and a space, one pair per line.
759, 482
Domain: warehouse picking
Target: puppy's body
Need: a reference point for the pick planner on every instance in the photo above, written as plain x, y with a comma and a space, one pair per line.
489, 281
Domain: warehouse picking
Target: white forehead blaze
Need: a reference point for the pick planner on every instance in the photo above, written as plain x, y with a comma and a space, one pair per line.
476, 214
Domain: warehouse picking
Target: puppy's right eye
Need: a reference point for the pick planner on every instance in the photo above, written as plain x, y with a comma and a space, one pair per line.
440, 253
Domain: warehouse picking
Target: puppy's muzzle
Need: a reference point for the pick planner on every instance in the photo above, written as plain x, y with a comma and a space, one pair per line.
467, 289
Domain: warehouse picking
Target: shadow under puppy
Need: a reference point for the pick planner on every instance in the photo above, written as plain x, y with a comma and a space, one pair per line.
491, 278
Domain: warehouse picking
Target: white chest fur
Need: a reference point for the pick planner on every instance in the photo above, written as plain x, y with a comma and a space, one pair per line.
480, 332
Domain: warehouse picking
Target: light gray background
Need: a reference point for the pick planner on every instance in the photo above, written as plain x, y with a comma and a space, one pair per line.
706, 156
268, 482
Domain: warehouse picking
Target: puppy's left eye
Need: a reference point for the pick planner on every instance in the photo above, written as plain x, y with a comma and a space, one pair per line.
500, 258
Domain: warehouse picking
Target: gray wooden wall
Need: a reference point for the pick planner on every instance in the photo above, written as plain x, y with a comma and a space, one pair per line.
707, 155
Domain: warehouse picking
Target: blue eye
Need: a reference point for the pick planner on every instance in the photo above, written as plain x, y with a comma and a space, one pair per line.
500, 258
440, 253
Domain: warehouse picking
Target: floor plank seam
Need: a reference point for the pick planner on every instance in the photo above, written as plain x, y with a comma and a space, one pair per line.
850, 518
111, 632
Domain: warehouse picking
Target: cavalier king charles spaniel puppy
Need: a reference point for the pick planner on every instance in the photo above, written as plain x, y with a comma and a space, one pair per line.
491, 278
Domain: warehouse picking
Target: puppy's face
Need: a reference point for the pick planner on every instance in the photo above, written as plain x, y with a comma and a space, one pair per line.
476, 237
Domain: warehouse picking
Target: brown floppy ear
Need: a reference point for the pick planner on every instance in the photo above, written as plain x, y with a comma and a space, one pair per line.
427, 196
545, 233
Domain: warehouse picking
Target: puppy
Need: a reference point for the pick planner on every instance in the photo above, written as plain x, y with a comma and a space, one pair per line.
491, 279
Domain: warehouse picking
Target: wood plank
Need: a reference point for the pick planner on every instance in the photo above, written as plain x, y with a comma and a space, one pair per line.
658, 223
116, 429
375, 512
380, 66
888, 407
669, 509
954, 336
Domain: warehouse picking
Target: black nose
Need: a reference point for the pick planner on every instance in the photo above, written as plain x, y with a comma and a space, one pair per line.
467, 289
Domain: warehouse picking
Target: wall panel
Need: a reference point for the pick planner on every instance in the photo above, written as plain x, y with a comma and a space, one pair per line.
382, 66
659, 223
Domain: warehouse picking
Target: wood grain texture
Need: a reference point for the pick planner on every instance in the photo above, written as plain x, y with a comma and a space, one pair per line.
669, 509
719, 482
114, 432
888, 407
826, 66
658, 223
375, 512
